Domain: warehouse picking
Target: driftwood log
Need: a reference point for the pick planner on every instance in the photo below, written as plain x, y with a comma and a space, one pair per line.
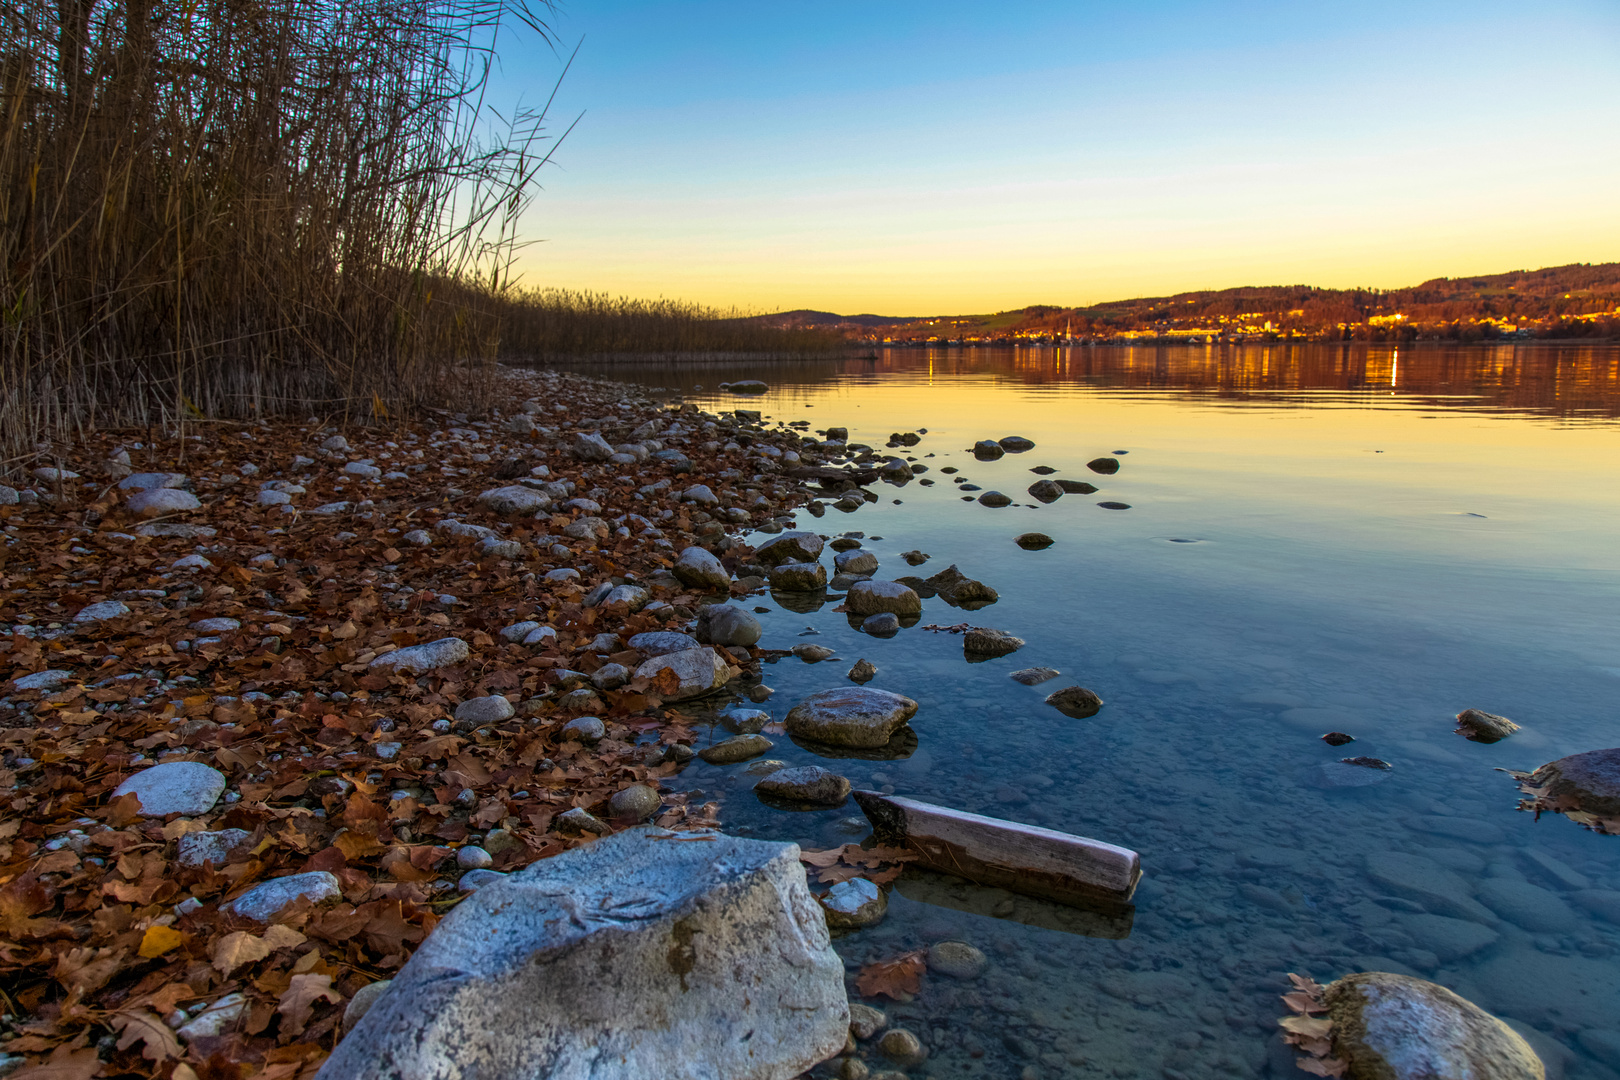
1007, 854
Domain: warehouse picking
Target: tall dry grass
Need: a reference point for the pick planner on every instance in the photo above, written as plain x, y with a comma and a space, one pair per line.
560, 324
243, 207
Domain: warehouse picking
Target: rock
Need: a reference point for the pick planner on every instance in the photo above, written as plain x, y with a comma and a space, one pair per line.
9, 496
987, 450
1395, 1027
850, 716
1033, 541
363, 471
217, 626
43, 680
214, 1021
807, 783
515, 500
902, 1047
957, 959
1528, 906
610, 676
725, 624
994, 499
364, 998
421, 659
864, 670
1483, 726
587, 729
914, 557
698, 569
735, 749
1046, 491
701, 494
884, 624
959, 589
269, 497
190, 562
662, 642
265, 901
592, 447
796, 547
1586, 783
865, 1021
175, 787
1076, 487
1449, 939
799, 577
1107, 466
158, 502
484, 710
518, 631
638, 802
633, 597
631, 957
876, 597
101, 612
1600, 902
852, 904
1367, 763
473, 857
1338, 738
745, 721
858, 561
579, 821
984, 643
1016, 444
194, 849
1335, 774
812, 654
150, 481
335, 444
747, 386
1075, 701
698, 671
1416, 878
1114, 505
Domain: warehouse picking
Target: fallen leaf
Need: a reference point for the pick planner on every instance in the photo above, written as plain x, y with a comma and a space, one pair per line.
238, 948
159, 940
1322, 1066
1312, 1027
139, 1026
63, 1064
298, 1003
896, 978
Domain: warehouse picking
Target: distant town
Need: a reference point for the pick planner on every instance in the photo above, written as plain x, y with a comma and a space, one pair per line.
1581, 300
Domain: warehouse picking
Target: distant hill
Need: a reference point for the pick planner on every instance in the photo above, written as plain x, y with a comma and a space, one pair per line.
1578, 300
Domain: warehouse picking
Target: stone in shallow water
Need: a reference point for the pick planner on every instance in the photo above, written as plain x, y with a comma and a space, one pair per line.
984, 643
793, 546
854, 903
1427, 882
883, 624
1033, 541
726, 624
1076, 487
737, 748
858, 561
644, 954
1034, 676
1075, 701
1395, 1027
993, 499
1107, 466
1588, 783
175, 787
987, 450
1481, 726
799, 577
877, 597
850, 716
957, 959
863, 671
807, 783
1016, 444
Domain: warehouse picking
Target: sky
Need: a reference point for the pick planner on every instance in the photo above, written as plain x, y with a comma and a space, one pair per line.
909, 158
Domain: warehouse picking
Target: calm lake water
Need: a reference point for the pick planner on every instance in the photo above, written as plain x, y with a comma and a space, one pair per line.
1381, 539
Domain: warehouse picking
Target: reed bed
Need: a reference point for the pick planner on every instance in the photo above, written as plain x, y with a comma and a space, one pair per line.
234, 208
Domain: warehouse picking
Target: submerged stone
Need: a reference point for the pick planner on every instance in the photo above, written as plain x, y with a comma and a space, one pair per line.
1395, 1027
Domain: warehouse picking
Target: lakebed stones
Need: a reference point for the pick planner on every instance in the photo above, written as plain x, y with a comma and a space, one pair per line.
1395, 1027
855, 716
1586, 787
640, 955
799, 577
697, 672
265, 901
957, 959
878, 597
1439, 890
1075, 701
984, 643
790, 547
806, 783
699, 569
725, 624
852, 904
884, 624
735, 749
174, 787
1484, 727
421, 659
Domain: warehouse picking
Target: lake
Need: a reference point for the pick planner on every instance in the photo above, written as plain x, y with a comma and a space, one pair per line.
1318, 538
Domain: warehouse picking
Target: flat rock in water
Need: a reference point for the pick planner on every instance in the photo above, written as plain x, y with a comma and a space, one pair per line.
644, 954
984, 643
1107, 466
878, 597
1425, 881
914, 557
1395, 1027
806, 783
698, 671
855, 903
726, 624
812, 654
858, 561
175, 787
1034, 676
1016, 444
735, 749
265, 901
1481, 726
957, 959
799, 577
421, 659
1075, 701
794, 546
1006, 854
850, 716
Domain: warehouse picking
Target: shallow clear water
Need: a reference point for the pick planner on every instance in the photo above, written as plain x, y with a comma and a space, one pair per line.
1382, 540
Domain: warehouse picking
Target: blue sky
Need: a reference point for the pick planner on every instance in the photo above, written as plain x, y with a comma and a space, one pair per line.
913, 158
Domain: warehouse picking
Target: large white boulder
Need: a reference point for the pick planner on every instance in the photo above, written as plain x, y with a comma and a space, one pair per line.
175, 787
699, 671
643, 954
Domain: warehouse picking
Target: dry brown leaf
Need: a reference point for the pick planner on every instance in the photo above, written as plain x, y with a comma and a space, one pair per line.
65, 1063
896, 978
299, 1001
140, 1026
1322, 1066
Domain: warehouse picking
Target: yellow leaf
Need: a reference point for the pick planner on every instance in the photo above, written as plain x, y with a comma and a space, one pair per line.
159, 940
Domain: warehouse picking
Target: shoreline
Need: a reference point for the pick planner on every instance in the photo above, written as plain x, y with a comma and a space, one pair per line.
252, 635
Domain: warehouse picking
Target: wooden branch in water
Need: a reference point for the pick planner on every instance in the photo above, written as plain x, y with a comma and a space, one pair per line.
1017, 857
